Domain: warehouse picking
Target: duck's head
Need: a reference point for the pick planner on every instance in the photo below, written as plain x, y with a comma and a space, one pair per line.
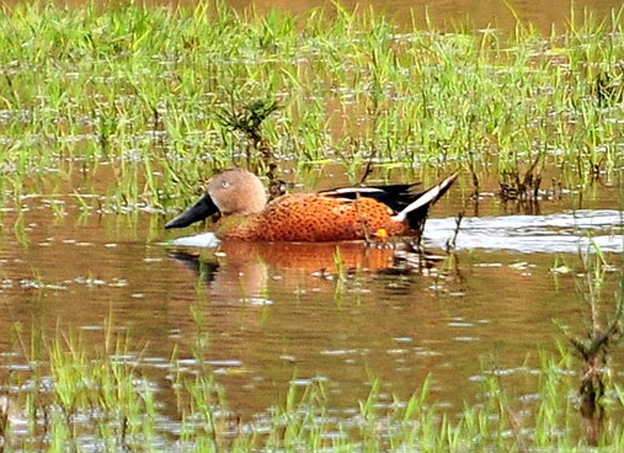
233, 192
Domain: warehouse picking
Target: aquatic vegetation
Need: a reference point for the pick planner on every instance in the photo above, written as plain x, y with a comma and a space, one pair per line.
102, 397
158, 94
593, 348
249, 121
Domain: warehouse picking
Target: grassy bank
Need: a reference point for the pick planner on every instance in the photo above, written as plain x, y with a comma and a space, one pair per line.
150, 91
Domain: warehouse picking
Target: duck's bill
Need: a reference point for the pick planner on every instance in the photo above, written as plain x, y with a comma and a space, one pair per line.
204, 208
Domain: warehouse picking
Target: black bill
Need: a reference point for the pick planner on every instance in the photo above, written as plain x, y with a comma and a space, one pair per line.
204, 208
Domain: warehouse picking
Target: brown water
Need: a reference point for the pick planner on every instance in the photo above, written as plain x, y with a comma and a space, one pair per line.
278, 313
451, 14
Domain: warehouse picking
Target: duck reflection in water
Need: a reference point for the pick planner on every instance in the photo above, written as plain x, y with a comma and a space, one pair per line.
240, 270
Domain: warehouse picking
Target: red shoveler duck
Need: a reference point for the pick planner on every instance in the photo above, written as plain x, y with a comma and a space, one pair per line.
343, 214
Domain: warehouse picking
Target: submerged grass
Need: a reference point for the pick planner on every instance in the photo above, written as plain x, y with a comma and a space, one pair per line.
145, 90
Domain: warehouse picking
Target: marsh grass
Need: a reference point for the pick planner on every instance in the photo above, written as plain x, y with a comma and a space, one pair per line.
144, 90
248, 120
86, 397
603, 329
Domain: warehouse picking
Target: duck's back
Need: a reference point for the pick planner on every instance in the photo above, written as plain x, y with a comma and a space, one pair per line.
316, 218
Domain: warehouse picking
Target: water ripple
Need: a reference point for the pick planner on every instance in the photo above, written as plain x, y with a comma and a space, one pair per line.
566, 232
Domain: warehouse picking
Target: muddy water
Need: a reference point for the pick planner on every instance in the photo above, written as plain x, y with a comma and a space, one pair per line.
275, 314
446, 15
453, 14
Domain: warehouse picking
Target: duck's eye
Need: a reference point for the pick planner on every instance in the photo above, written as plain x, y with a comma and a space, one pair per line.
225, 184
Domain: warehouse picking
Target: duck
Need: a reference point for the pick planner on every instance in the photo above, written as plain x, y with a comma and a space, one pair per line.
340, 214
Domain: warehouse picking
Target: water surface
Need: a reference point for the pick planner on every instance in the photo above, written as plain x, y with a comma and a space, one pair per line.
446, 15
282, 313
454, 14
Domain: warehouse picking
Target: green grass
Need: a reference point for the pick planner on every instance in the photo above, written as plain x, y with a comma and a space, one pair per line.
145, 91
80, 397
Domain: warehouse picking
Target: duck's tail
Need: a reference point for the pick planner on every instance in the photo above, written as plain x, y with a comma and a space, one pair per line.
416, 212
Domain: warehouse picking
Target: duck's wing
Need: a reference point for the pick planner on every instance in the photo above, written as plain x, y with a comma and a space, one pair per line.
408, 201
396, 196
416, 211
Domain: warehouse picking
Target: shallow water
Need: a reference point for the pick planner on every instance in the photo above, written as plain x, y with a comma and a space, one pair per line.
281, 313
454, 14
276, 314
448, 15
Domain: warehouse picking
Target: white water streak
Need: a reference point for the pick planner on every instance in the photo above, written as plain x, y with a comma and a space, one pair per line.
568, 232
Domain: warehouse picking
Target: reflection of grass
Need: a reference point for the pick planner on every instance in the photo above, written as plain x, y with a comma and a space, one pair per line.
82, 396
155, 93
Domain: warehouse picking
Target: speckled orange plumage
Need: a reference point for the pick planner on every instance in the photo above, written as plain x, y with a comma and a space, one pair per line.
313, 218
341, 214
